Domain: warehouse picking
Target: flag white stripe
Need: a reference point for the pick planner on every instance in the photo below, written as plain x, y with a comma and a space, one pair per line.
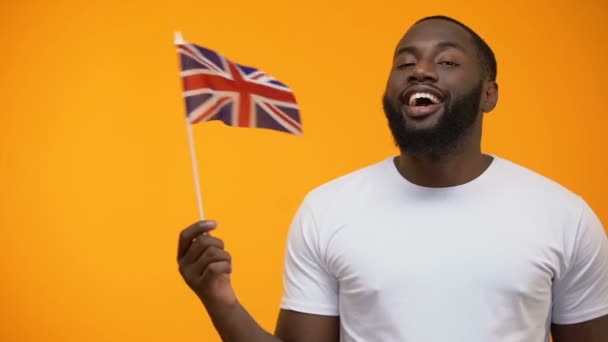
194, 72
276, 102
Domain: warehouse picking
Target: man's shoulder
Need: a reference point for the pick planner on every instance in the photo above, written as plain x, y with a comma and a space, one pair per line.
517, 177
353, 182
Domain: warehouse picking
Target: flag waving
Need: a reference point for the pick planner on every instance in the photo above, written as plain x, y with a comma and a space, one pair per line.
216, 88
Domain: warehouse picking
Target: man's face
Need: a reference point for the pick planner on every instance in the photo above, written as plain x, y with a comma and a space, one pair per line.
433, 94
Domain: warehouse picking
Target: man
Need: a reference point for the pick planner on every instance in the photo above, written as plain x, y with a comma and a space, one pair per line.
442, 243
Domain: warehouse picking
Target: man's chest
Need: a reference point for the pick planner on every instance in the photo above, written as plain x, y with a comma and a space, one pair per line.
444, 257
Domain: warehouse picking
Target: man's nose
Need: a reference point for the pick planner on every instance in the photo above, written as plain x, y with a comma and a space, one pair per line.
424, 71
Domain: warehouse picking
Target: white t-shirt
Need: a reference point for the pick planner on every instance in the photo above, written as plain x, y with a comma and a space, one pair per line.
496, 259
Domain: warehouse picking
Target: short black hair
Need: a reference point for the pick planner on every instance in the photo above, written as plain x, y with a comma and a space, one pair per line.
486, 55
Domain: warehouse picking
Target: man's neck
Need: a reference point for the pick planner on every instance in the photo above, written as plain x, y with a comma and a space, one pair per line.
447, 170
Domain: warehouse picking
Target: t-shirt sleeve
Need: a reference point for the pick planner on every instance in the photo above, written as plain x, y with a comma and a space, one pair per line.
308, 286
581, 292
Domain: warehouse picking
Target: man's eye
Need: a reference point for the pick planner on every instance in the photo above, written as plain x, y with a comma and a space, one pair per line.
448, 63
405, 65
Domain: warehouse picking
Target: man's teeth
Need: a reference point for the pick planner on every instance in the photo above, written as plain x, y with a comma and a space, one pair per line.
416, 96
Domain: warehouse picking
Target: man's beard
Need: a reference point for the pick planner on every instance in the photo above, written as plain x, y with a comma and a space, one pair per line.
442, 138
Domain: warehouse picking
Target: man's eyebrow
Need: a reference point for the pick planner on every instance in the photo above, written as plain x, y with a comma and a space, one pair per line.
406, 49
441, 46
446, 45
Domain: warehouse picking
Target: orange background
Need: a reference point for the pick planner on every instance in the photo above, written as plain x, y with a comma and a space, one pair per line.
95, 171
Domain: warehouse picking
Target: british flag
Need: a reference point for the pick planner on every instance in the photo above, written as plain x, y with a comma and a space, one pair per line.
216, 88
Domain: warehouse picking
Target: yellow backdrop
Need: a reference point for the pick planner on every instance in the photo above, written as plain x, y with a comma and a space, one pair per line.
95, 171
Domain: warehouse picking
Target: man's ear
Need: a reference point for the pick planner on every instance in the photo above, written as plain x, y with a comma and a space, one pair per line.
489, 96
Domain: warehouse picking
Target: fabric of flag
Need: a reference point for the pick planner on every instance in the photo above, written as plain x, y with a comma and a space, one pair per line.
216, 88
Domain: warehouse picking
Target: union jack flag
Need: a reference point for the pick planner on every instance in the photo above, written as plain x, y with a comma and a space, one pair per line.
216, 88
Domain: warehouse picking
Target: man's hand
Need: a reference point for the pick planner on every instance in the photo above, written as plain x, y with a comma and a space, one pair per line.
206, 266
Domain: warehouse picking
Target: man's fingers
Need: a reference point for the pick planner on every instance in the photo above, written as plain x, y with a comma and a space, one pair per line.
188, 234
215, 269
211, 255
198, 247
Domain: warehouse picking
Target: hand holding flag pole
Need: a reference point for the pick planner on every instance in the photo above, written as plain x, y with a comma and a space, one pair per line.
216, 88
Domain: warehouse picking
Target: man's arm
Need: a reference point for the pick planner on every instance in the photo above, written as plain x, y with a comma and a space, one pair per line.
295, 326
580, 303
206, 267
236, 324
595, 330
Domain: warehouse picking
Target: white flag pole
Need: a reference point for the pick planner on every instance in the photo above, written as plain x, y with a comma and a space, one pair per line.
180, 40
197, 185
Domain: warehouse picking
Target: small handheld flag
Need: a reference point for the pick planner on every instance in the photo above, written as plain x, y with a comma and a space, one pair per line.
216, 88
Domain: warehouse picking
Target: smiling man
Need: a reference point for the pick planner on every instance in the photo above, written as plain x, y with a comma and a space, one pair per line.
441, 243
